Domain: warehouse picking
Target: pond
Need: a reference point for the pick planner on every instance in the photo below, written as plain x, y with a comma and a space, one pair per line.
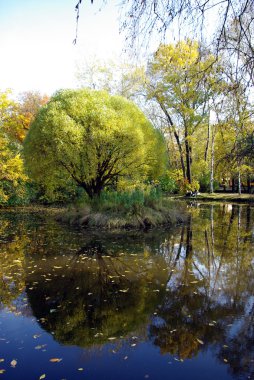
166, 304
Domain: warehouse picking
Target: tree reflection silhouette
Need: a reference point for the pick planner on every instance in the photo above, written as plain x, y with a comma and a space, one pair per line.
190, 289
94, 296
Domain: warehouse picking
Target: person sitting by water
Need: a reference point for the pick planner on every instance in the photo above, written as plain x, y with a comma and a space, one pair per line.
190, 193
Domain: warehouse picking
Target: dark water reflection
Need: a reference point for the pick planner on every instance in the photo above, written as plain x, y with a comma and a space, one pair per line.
165, 304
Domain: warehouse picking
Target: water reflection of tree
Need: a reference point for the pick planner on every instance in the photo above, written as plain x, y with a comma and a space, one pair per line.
92, 297
12, 245
209, 286
238, 347
198, 278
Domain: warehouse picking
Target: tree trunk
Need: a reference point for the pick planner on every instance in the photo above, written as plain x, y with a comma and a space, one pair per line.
239, 183
233, 185
178, 142
207, 141
188, 157
92, 189
212, 165
248, 184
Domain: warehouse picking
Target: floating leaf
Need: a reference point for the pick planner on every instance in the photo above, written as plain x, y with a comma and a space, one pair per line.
80, 369
2, 371
42, 376
200, 341
14, 363
55, 360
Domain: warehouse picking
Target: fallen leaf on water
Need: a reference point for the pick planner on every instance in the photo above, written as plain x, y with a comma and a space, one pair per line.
200, 341
40, 347
42, 377
112, 338
14, 363
55, 360
225, 360
1, 360
2, 371
125, 358
80, 369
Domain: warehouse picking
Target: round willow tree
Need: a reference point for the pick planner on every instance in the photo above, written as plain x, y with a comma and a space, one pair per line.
91, 139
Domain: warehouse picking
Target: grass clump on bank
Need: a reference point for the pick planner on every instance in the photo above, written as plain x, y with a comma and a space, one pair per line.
119, 210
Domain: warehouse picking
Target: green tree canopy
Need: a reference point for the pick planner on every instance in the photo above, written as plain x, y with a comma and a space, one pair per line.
181, 79
11, 164
91, 139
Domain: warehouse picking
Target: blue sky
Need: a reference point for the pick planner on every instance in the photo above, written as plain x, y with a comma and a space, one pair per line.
36, 38
36, 41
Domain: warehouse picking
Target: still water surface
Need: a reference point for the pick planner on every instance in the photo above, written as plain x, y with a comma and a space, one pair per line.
168, 304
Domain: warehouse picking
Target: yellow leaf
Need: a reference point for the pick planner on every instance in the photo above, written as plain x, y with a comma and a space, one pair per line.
42, 376
55, 360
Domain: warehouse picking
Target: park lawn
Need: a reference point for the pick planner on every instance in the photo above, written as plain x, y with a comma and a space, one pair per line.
227, 197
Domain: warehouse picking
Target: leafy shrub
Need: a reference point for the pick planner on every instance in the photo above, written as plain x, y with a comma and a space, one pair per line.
185, 186
204, 182
168, 184
14, 195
